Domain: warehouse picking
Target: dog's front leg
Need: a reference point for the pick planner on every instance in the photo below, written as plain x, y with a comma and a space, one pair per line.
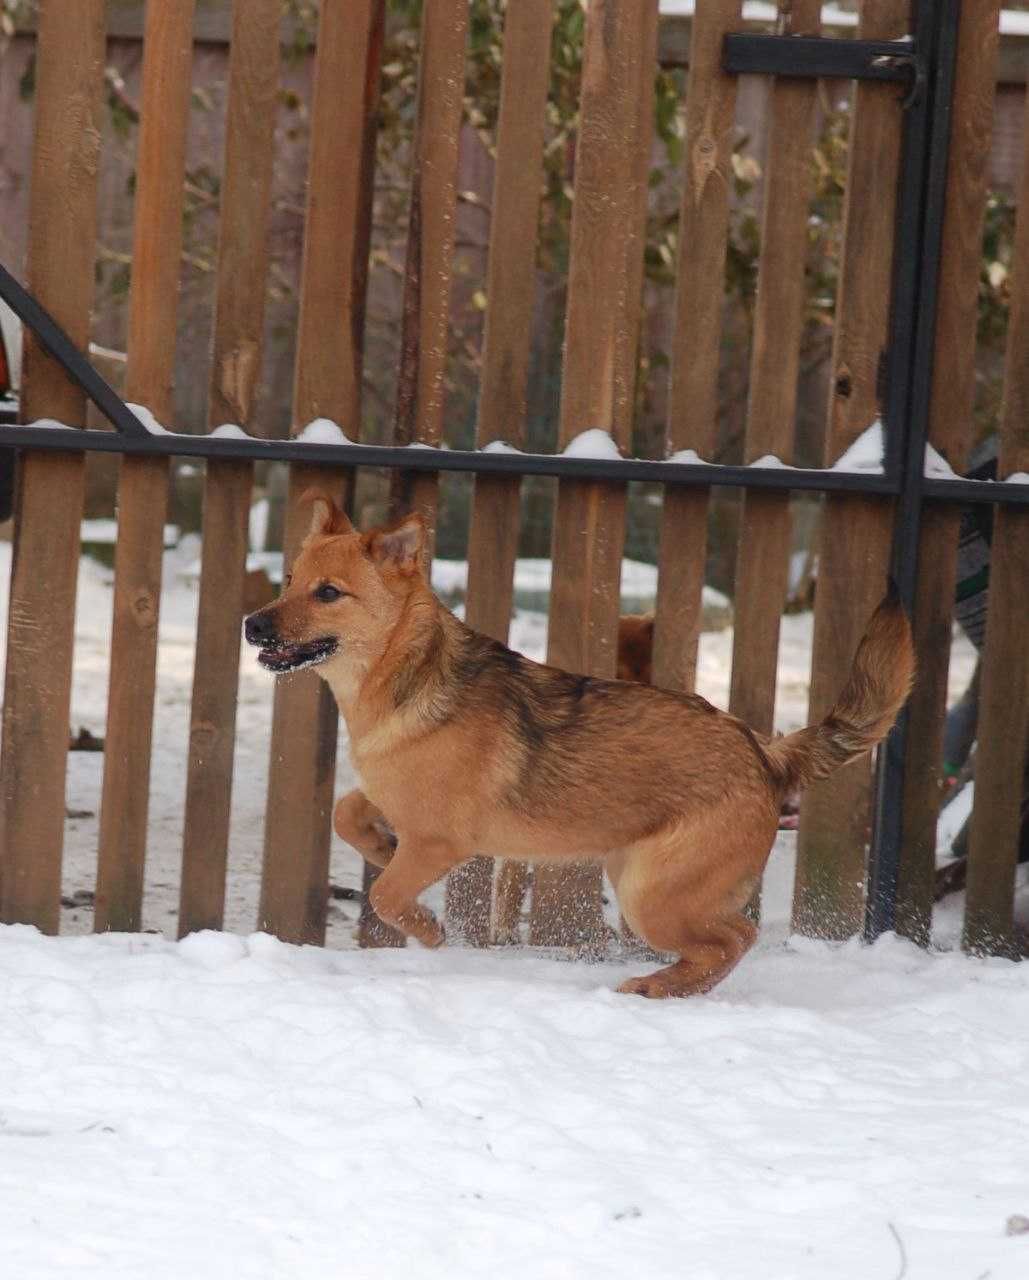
418, 863
358, 822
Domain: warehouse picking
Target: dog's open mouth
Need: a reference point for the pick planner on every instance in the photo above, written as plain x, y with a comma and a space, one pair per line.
284, 658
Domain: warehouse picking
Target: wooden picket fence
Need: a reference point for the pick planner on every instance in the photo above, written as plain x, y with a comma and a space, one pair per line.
602, 329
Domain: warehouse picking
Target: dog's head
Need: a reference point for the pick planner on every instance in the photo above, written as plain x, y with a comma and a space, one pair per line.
344, 595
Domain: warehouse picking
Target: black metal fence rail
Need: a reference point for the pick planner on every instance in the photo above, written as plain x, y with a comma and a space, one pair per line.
62, 439
131, 436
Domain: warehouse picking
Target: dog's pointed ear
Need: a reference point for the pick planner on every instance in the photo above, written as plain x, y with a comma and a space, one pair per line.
326, 516
401, 546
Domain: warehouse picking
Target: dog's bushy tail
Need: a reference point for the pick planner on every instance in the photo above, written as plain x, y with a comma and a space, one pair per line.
879, 683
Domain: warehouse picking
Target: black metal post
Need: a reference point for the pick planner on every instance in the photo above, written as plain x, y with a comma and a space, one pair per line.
909, 388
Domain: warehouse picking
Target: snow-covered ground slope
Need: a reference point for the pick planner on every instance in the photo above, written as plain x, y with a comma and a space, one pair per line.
236, 1107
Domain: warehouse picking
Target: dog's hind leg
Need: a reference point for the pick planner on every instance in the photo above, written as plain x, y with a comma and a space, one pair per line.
357, 821
707, 954
683, 891
417, 864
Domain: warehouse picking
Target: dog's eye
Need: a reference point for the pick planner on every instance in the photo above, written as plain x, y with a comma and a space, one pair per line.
327, 593
288, 580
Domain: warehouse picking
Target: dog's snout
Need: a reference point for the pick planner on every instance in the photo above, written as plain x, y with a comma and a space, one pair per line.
259, 628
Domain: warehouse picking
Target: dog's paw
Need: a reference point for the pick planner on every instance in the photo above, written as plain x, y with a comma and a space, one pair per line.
650, 985
430, 932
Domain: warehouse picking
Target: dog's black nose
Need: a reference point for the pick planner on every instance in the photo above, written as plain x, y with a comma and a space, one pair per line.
259, 628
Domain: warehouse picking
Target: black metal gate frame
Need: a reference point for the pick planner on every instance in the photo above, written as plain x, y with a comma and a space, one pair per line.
925, 66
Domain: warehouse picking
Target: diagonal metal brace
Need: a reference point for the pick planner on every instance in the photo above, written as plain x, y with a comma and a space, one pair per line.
56, 342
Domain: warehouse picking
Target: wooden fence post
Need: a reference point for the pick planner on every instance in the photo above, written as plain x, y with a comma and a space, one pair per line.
1000, 760
855, 533
762, 561
763, 556
493, 535
699, 302
239, 323
598, 390
427, 278
143, 483
302, 771
45, 562
950, 429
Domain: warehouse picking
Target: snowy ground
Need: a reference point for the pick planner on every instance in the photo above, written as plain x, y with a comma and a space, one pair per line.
236, 1107
230, 1106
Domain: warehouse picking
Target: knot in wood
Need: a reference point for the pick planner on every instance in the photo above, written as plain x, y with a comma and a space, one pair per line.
144, 607
202, 736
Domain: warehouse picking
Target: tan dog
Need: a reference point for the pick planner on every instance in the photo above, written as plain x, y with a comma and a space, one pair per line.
356, 820
468, 747
634, 662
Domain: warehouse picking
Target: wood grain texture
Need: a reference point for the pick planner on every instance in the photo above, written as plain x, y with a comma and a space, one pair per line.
950, 431
239, 319
330, 349
835, 818
598, 390
44, 568
1000, 760
143, 484
430, 242
699, 299
212, 723
242, 271
337, 226
302, 768
511, 291
1003, 736
428, 271
765, 526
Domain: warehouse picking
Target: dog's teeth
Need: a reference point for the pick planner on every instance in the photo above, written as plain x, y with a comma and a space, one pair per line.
284, 662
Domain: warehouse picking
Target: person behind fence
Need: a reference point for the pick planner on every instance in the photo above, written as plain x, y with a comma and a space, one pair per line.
970, 608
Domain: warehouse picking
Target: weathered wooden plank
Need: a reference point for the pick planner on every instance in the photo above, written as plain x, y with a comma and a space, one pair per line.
298, 830
598, 389
511, 280
40, 635
950, 427
1000, 759
143, 485
426, 302
510, 295
1003, 733
239, 321
855, 531
693, 397
430, 248
764, 545
302, 771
